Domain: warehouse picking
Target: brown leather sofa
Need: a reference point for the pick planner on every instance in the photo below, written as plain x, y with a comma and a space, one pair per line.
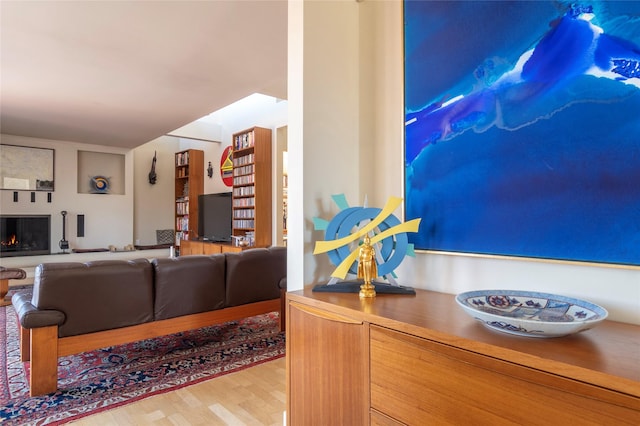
76, 307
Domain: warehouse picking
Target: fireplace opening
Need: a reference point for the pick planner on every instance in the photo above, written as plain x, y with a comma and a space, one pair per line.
25, 235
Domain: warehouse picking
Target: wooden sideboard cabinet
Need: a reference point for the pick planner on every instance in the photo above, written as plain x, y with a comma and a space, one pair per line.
416, 360
190, 247
329, 374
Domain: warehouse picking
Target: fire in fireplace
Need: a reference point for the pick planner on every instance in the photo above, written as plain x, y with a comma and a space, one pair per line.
25, 235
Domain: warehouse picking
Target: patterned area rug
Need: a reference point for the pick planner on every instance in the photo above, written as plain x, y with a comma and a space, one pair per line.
107, 378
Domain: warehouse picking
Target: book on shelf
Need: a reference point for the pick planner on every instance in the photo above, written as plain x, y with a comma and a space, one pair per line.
244, 202
182, 158
243, 170
181, 235
182, 208
244, 180
244, 213
244, 191
243, 141
243, 223
242, 160
182, 223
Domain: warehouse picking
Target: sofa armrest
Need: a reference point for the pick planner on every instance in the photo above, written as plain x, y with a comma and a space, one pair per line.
30, 316
97, 295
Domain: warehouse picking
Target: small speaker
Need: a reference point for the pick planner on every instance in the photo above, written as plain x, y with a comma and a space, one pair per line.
80, 232
33, 197
15, 196
48, 197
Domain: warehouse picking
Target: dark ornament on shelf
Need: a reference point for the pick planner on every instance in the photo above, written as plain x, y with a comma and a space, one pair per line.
153, 177
210, 170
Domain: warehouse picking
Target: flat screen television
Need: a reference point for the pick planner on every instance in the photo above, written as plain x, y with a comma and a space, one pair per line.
214, 217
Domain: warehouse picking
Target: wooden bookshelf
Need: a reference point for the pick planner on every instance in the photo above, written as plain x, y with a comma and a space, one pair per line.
189, 178
252, 207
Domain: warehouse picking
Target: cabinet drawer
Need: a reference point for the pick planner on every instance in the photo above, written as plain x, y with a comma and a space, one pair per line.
209, 248
188, 248
417, 381
230, 249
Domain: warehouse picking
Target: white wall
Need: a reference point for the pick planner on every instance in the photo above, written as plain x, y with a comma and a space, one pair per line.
377, 27
324, 140
296, 253
107, 217
154, 204
254, 110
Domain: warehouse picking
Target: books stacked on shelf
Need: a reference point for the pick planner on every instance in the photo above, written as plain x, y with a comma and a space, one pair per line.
244, 214
243, 224
181, 236
243, 141
244, 202
182, 207
244, 191
243, 170
182, 172
244, 180
244, 160
182, 223
182, 158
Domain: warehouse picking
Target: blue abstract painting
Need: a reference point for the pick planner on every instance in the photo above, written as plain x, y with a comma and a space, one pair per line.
522, 128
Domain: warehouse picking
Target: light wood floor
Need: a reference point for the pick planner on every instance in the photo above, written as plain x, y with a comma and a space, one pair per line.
254, 396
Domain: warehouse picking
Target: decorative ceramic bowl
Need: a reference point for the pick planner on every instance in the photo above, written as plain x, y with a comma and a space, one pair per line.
531, 314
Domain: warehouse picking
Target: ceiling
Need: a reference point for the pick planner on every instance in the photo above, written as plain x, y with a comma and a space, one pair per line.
122, 73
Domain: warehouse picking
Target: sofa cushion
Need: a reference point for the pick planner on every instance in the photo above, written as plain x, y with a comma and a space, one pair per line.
254, 275
188, 285
95, 296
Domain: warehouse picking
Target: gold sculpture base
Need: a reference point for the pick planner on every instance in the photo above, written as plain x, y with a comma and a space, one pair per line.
367, 290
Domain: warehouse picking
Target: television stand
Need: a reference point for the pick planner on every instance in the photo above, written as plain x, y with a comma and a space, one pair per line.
189, 247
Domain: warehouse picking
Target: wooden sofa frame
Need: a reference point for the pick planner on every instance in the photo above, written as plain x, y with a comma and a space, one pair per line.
43, 347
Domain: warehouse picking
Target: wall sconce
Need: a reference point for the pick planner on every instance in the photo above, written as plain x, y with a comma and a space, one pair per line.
210, 170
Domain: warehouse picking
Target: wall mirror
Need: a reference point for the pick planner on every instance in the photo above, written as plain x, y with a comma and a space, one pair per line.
26, 168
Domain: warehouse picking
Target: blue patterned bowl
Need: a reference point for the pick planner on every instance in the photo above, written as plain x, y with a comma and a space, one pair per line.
531, 314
